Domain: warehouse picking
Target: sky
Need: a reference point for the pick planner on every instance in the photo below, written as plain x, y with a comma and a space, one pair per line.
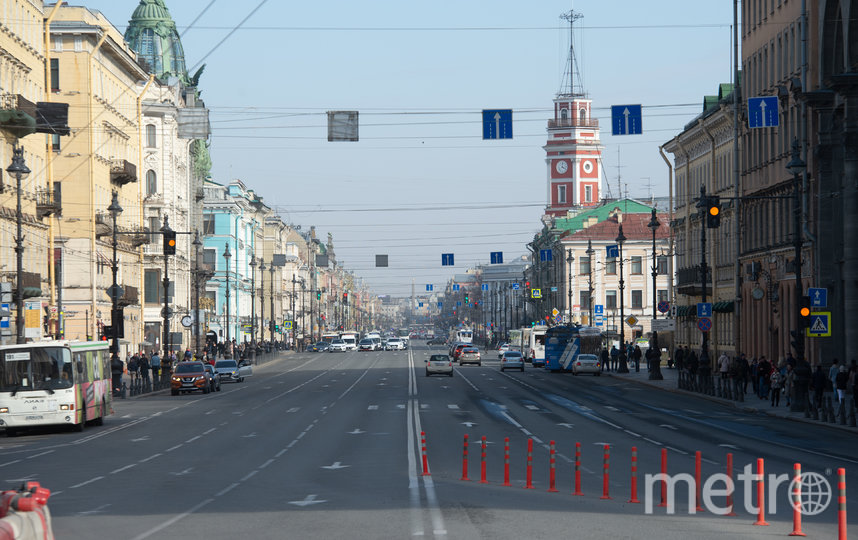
421, 181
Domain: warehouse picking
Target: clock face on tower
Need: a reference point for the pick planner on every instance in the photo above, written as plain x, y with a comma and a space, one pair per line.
561, 167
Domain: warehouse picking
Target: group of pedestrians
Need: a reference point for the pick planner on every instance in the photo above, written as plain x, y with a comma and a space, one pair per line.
630, 355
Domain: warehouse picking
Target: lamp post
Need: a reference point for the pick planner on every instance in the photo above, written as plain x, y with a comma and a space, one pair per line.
624, 368
165, 313
570, 259
802, 368
227, 256
655, 354
196, 243
115, 312
253, 308
705, 368
262, 300
20, 171
292, 309
271, 321
590, 254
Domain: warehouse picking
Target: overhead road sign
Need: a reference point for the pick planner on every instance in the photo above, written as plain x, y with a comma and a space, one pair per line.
763, 112
497, 257
704, 309
818, 297
546, 255
626, 120
446, 259
342, 126
380, 260
429, 287
704, 324
485, 286
820, 324
497, 124
613, 250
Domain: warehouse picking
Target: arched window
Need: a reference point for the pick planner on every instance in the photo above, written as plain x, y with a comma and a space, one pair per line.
151, 141
151, 182
564, 114
582, 116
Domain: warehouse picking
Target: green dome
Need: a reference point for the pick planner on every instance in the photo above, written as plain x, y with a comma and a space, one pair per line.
152, 34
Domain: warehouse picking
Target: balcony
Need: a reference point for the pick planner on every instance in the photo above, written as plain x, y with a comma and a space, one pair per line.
17, 115
573, 123
103, 224
688, 281
122, 171
138, 236
48, 202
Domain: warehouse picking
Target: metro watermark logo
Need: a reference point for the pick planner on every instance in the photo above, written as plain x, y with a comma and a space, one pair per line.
813, 497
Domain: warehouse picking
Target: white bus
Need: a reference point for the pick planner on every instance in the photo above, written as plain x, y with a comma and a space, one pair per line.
465, 335
54, 383
534, 347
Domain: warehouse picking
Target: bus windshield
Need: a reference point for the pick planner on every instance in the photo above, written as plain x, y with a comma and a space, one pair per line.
36, 368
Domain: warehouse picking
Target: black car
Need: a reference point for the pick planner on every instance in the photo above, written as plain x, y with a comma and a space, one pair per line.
321, 346
436, 341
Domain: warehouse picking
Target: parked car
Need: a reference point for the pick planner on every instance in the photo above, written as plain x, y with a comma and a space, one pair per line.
504, 347
321, 346
587, 363
512, 360
338, 345
366, 345
190, 377
394, 344
440, 364
214, 380
232, 371
470, 355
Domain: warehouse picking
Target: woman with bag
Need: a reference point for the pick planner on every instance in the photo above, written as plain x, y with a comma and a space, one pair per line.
776, 380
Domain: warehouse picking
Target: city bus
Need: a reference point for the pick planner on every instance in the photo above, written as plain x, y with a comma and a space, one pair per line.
563, 344
54, 383
534, 345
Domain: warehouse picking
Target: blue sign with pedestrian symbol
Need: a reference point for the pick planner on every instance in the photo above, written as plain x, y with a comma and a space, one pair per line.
763, 112
626, 120
704, 309
818, 297
497, 124
820, 324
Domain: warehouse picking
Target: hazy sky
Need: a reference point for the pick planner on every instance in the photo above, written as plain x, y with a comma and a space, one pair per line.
421, 181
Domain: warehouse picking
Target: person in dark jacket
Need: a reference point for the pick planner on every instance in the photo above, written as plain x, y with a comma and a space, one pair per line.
605, 358
818, 382
637, 355
116, 368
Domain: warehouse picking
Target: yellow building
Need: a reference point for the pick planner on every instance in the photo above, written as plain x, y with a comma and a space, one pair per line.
94, 70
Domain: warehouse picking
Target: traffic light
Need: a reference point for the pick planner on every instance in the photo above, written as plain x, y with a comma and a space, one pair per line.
466, 299
797, 341
318, 295
713, 212
345, 298
169, 242
106, 333
804, 313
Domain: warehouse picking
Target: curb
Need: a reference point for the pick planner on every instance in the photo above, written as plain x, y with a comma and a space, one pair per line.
736, 405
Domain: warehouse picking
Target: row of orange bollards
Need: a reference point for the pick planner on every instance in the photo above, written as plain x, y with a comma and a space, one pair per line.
552, 487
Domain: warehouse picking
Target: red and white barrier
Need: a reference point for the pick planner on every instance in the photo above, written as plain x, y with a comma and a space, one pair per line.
577, 469
425, 458
529, 484
483, 461
551, 469
465, 461
634, 497
606, 466
841, 504
24, 514
761, 493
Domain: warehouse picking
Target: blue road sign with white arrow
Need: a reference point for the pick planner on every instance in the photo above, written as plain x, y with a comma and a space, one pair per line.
516, 286
485, 286
497, 257
446, 259
613, 251
545, 255
497, 124
763, 112
704, 310
455, 286
818, 297
626, 120
429, 287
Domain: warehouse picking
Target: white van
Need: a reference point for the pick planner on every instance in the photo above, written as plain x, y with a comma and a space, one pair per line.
350, 338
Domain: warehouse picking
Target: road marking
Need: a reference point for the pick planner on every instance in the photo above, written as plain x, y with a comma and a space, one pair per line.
355, 432
729, 446
336, 465
566, 425
141, 439
125, 468
400, 406
170, 522
469, 424
90, 481
267, 463
96, 511
248, 476
249, 436
192, 439
532, 407
308, 500
709, 461
226, 490
652, 441
209, 431
612, 408
424, 406
153, 456
632, 433
42, 454
294, 410
668, 426
174, 447
372, 408
677, 450
452, 406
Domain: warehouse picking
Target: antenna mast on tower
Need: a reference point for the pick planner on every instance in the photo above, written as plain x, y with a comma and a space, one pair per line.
572, 75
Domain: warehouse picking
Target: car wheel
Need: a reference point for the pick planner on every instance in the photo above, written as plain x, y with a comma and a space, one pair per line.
479, 363
575, 373
80, 427
174, 392
522, 369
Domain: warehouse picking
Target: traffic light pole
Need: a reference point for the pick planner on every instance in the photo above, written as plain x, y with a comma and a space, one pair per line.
703, 204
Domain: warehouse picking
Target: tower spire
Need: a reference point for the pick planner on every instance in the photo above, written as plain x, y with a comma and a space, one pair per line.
572, 76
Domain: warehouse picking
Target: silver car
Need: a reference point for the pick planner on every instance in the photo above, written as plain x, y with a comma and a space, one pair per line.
440, 364
512, 360
338, 345
231, 371
587, 363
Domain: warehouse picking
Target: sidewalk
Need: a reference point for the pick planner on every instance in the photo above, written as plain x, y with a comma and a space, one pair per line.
752, 403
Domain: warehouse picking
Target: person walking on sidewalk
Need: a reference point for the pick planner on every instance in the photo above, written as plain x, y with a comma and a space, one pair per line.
777, 382
764, 370
605, 358
789, 383
636, 354
755, 375
818, 382
724, 366
832, 374
744, 372
615, 358
840, 383
155, 364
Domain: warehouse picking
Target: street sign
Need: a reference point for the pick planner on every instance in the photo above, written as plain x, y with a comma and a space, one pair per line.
119, 291
818, 297
704, 324
664, 306
4, 322
554, 312
446, 259
820, 324
599, 309
664, 325
613, 251
553, 289
626, 120
631, 320
455, 286
763, 112
380, 260
536, 293
485, 286
419, 304
287, 325
497, 124
516, 286
428, 287
558, 319
458, 304
599, 320
704, 309
546, 255
440, 305
496, 257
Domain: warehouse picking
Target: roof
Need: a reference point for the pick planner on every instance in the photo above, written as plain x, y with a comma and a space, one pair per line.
602, 213
634, 228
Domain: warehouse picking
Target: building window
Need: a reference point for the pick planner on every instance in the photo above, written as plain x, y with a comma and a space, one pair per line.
154, 227
611, 266
55, 74
151, 182
637, 266
582, 117
662, 295
661, 264
611, 299
152, 285
637, 299
151, 140
55, 142
561, 194
208, 224
584, 265
588, 193
209, 258
584, 301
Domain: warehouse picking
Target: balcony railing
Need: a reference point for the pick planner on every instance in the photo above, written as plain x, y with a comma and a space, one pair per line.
103, 224
139, 236
122, 171
48, 202
573, 123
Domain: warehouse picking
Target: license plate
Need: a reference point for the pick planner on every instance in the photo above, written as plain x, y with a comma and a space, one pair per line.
34, 417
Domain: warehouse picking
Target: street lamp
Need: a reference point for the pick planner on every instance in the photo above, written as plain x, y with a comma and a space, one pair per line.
271, 321
797, 167
227, 255
292, 309
590, 252
196, 243
570, 259
624, 368
115, 315
253, 308
655, 355
20, 171
262, 300
165, 313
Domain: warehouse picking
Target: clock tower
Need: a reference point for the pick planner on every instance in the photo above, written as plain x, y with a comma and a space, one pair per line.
573, 152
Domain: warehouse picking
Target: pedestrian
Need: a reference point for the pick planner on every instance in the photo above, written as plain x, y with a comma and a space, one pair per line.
132, 367
744, 372
615, 358
855, 385
840, 383
144, 367
764, 371
776, 380
832, 374
637, 355
605, 358
155, 364
789, 383
680, 358
724, 366
818, 382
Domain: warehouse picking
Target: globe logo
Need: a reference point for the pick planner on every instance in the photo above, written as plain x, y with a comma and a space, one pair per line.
815, 495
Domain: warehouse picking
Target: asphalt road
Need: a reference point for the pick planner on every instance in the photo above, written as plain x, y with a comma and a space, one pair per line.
329, 446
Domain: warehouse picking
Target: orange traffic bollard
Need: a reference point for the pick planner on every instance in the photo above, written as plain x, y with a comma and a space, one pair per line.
577, 469
506, 461
761, 494
483, 462
605, 472
796, 501
634, 498
730, 486
664, 482
425, 458
465, 461
529, 484
841, 504
551, 470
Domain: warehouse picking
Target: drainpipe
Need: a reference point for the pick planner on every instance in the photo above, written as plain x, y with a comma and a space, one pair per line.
49, 162
91, 122
737, 200
669, 227
140, 187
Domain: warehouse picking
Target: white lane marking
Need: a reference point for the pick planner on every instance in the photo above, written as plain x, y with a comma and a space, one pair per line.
93, 511
677, 450
400, 405
281, 452
729, 446
355, 432
668, 426
452, 406
709, 461
174, 447
90, 481
308, 500
153, 456
532, 407
469, 424
192, 439
42, 454
652, 441
141, 439
424, 406
226, 490
170, 522
125, 468
567, 425
248, 476
372, 408
209, 431
267, 463
294, 410
611, 407
336, 465
632, 433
